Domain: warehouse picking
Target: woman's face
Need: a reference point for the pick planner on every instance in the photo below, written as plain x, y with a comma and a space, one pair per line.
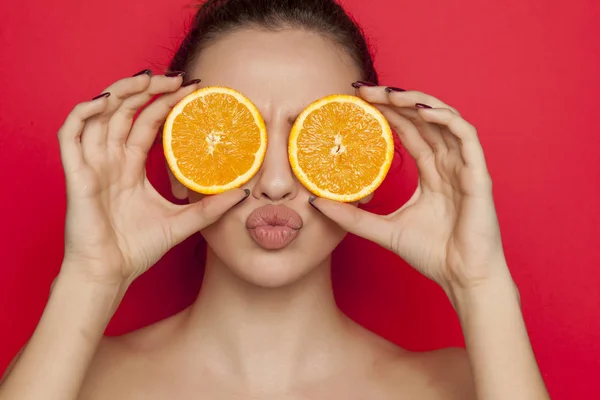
274, 237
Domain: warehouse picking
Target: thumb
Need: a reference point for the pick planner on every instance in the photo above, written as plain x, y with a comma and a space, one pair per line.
373, 227
197, 216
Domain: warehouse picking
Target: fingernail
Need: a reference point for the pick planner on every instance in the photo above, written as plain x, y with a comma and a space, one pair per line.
174, 74
391, 89
105, 94
245, 197
192, 82
359, 84
421, 105
144, 71
311, 201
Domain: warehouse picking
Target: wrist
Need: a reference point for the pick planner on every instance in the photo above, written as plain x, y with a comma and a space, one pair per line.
94, 273
493, 289
102, 296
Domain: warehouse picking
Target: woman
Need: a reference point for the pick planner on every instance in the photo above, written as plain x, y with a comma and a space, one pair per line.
265, 324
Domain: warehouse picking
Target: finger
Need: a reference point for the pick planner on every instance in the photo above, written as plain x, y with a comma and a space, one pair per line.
470, 148
373, 227
409, 135
389, 96
69, 134
413, 142
149, 121
96, 131
121, 121
401, 98
431, 133
197, 216
452, 143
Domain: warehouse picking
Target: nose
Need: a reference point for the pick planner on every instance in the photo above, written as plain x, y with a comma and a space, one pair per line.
275, 180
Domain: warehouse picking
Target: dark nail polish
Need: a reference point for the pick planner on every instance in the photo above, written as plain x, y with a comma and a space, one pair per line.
311, 200
192, 82
421, 105
144, 71
391, 89
359, 84
245, 197
105, 94
174, 74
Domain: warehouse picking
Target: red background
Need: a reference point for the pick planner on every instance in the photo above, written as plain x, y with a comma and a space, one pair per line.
525, 72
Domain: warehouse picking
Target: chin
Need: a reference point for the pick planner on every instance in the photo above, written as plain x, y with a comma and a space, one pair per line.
260, 267
274, 269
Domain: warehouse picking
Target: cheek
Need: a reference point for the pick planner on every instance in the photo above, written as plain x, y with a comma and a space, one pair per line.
323, 235
222, 233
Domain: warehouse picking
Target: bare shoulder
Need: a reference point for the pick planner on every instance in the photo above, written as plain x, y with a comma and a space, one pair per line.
440, 374
126, 367
447, 372
105, 376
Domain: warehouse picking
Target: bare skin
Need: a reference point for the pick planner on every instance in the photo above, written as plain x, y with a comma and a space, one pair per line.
156, 364
265, 325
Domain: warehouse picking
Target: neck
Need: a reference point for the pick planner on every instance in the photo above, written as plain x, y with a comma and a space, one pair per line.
268, 338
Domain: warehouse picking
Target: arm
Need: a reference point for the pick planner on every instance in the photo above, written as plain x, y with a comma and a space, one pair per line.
117, 227
449, 232
501, 357
54, 362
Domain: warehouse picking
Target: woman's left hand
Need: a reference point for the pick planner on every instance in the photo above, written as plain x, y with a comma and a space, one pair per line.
448, 230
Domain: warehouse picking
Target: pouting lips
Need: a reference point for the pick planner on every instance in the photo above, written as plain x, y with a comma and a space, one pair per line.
274, 227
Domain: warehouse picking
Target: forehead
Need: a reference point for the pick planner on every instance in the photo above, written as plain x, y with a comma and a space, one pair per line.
278, 70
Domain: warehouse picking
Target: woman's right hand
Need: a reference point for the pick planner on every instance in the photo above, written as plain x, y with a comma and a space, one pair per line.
117, 224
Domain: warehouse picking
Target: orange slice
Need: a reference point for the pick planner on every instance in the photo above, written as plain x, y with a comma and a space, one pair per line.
214, 140
341, 148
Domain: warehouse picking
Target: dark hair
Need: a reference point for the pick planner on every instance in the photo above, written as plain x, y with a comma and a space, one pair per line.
218, 17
